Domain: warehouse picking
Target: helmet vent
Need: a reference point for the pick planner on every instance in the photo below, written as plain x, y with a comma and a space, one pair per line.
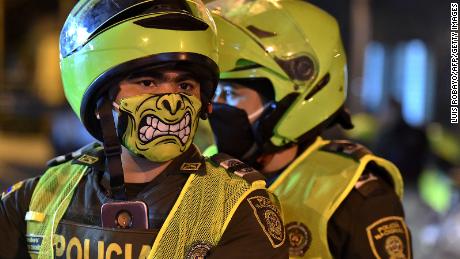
320, 85
299, 68
260, 33
175, 21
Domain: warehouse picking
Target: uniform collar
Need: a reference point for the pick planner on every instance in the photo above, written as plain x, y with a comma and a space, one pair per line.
190, 162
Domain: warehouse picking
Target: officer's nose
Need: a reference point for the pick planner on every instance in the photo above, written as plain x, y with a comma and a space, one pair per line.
171, 102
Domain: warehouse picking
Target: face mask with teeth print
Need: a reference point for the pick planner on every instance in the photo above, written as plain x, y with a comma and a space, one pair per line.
158, 127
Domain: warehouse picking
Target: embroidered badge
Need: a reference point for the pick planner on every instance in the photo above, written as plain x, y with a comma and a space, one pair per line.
299, 237
87, 159
190, 166
268, 216
389, 238
198, 251
34, 242
12, 189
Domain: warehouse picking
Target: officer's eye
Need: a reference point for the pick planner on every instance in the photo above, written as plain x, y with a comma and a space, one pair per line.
229, 92
187, 85
146, 83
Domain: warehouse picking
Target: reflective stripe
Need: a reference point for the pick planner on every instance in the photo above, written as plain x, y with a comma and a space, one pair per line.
35, 216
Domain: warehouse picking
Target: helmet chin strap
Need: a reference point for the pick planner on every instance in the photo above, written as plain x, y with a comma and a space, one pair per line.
253, 153
112, 149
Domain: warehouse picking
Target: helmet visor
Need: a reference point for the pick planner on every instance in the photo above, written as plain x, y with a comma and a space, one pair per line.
89, 17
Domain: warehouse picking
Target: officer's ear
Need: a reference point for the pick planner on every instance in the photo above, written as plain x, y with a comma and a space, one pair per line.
112, 94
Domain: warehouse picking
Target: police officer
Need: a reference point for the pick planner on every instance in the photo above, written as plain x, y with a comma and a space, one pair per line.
140, 74
283, 81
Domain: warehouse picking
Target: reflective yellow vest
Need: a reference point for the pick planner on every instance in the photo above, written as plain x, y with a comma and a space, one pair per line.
189, 221
312, 188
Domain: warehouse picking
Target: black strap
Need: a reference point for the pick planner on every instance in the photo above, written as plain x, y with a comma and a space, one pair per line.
112, 149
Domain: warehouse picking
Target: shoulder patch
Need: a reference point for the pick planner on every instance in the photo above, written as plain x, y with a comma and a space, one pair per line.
389, 238
344, 147
235, 166
12, 189
269, 218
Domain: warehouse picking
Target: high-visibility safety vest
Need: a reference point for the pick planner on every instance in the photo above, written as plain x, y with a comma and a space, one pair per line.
314, 185
189, 221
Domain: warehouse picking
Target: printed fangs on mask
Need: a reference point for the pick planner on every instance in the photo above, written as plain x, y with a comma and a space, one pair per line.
152, 127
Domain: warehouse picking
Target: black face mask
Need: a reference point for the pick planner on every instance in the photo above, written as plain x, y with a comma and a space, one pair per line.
233, 133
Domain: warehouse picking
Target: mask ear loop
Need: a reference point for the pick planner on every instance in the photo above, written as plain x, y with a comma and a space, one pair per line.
116, 105
255, 115
115, 113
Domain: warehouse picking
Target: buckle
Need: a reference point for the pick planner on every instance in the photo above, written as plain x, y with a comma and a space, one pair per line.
112, 150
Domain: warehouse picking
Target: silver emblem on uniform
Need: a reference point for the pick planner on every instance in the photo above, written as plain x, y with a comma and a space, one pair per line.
299, 238
124, 219
198, 251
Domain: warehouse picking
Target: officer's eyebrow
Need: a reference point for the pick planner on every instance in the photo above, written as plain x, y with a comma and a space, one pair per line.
153, 74
183, 76
164, 76
232, 84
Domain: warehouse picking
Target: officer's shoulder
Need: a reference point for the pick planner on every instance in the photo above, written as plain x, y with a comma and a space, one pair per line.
236, 167
374, 181
90, 155
26, 187
346, 148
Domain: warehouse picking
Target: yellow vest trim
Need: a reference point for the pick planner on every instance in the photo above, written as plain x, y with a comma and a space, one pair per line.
171, 215
49, 202
255, 186
390, 168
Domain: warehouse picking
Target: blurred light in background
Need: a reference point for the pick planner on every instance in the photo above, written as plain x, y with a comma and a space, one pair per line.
373, 76
416, 83
67, 133
404, 73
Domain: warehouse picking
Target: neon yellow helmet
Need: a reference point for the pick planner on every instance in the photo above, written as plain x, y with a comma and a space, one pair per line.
104, 41
297, 47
